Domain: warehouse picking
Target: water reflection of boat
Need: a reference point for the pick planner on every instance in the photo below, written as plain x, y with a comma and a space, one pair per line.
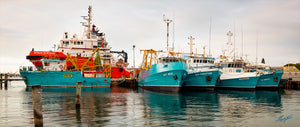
72, 89
240, 107
99, 105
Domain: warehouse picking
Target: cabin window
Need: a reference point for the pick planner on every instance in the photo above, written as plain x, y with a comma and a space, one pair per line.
229, 65
204, 61
224, 65
47, 63
201, 61
194, 61
62, 50
240, 65
63, 42
197, 61
81, 43
78, 42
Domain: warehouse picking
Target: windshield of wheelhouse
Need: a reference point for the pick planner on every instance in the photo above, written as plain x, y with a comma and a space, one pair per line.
235, 65
169, 59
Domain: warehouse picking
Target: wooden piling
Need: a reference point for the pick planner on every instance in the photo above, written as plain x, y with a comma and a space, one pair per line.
5, 81
37, 105
1, 81
78, 94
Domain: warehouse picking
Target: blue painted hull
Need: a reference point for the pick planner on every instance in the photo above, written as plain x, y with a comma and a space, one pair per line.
269, 80
163, 76
238, 83
62, 79
207, 79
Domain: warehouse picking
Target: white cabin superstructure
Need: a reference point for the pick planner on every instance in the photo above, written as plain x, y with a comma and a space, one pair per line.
83, 47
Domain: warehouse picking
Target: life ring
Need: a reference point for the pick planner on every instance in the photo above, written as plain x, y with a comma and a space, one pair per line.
61, 66
120, 69
208, 78
276, 79
175, 77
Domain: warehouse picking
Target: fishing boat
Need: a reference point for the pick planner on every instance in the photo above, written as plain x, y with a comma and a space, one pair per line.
80, 52
97, 75
202, 73
233, 74
268, 79
164, 73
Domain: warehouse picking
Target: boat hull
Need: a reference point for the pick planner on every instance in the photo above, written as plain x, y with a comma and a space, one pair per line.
238, 81
269, 80
163, 77
62, 79
202, 80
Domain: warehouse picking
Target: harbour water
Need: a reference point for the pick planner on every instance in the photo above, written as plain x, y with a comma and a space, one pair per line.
127, 107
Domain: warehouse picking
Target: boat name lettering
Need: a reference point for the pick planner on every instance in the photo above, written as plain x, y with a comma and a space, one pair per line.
170, 73
67, 75
203, 74
244, 79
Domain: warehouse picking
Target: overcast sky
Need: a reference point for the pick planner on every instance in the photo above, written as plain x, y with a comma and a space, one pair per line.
27, 24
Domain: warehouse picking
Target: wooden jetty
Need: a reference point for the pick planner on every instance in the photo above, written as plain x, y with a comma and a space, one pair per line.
132, 81
129, 83
6, 77
290, 80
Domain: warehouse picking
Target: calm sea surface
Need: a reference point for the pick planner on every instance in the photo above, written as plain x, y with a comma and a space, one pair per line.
125, 107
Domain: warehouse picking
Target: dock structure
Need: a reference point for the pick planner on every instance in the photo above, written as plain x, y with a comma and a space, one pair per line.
5, 78
132, 81
290, 80
129, 83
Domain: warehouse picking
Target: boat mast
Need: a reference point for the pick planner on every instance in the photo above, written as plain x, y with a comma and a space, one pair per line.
256, 47
229, 34
234, 42
88, 24
173, 31
209, 36
168, 21
242, 42
191, 44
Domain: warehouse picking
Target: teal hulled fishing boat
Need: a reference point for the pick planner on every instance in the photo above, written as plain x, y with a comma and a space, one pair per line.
268, 78
202, 73
64, 78
166, 74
